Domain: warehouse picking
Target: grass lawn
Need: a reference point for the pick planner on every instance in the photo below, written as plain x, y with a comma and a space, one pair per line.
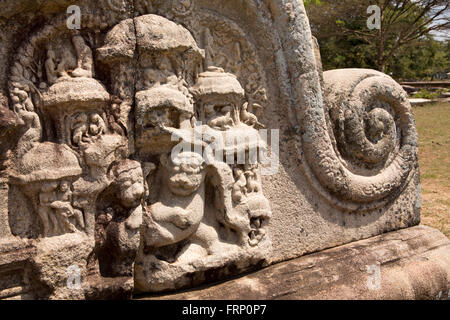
433, 125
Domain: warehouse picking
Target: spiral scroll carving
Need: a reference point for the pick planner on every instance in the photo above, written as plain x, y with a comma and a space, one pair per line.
373, 137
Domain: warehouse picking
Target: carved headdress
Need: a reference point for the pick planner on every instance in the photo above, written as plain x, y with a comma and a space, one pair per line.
149, 34
216, 82
46, 162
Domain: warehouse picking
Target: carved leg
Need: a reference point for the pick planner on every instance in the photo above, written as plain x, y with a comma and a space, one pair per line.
54, 223
79, 218
43, 215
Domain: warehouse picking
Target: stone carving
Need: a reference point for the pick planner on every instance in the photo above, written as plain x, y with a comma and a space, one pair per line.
373, 135
46, 173
183, 185
177, 229
108, 161
182, 7
119, 217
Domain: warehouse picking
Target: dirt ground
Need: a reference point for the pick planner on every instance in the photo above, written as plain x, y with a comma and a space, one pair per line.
433, 125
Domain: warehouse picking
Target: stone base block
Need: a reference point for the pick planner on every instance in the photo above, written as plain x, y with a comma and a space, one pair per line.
412, 263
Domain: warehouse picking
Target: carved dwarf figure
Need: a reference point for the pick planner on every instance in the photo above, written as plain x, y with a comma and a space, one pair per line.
118, 226
180, 210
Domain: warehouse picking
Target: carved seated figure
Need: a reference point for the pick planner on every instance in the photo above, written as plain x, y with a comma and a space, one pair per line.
85, 127
55, 209
50, 67
45, 174
180, 210
67, 216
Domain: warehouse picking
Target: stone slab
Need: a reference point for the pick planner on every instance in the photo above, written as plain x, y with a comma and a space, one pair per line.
88, 119
414, 264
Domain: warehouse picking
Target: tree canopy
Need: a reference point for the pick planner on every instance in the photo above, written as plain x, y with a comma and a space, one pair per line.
403, 45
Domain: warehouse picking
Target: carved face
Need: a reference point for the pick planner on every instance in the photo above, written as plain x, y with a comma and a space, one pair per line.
184, 183
377, 124
131, 188
84, 126
159, 117
186, 175
64, 186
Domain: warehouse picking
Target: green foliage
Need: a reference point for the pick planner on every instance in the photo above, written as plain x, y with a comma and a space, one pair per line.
313, 2
340, 23
425, 94
340, 53
421, 60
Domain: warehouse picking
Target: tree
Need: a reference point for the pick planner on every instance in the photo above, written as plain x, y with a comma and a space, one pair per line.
401, 23
423, 60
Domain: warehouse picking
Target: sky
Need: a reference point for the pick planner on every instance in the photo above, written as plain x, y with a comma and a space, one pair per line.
443, 35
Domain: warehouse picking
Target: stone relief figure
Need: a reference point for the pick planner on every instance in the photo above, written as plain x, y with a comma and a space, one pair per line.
162, 74
249, 118
72, 58
207, 44
46, 197
85, 62
240, 186
85, 127
51, 67
251, 177
24, 108
217, 88
62, 206
99, 112
158, 109
175, 235
98, 126
71, 104
119, 219
219, 98
46, 174
180, 210
67, 64
79, 129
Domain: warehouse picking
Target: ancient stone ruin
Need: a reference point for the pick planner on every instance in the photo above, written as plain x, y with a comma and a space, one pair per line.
96, 203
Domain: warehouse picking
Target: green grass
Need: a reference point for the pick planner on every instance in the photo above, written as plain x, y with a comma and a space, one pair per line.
433, 125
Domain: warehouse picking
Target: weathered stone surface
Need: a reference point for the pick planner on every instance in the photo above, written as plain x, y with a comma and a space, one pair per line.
14, 279
413, 264
107, 172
